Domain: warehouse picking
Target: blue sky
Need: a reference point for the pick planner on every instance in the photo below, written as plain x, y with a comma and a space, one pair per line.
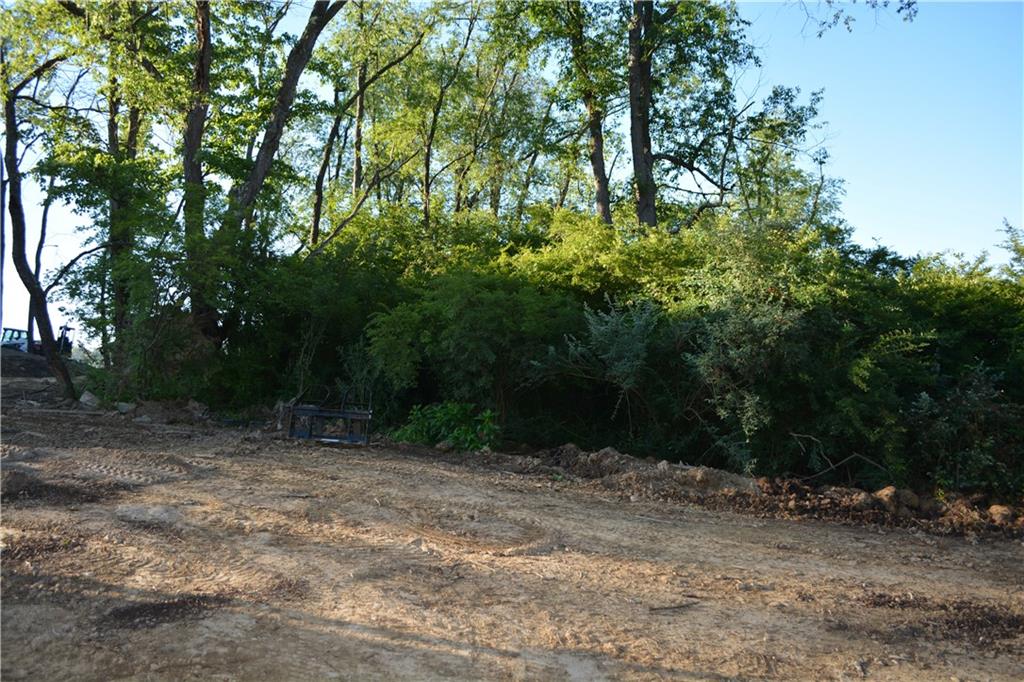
924, 118
924, 121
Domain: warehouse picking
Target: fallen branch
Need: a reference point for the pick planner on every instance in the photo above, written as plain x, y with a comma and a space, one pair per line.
844, 461
676, 607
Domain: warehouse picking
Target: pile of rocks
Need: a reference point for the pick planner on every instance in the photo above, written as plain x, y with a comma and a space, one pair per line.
149, 411
637, 479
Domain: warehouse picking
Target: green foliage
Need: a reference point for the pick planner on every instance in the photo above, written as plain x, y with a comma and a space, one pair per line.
969, 436
460, 424
470, 334
746, 330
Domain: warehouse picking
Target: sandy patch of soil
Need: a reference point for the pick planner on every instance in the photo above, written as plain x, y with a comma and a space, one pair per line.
133, 551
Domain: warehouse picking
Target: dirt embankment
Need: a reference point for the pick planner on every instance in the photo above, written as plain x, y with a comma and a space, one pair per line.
634, 479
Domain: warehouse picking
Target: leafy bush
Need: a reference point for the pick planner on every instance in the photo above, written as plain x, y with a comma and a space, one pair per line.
969, 437
776, 347
470, 336
457, 423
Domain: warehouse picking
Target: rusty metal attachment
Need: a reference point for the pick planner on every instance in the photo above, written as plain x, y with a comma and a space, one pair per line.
350, 423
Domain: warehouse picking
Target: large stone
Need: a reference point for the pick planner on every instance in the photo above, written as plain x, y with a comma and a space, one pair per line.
909, 499
89, 401
888, 498
1001, 514
125, 408
708, 480
863, 501
197, 409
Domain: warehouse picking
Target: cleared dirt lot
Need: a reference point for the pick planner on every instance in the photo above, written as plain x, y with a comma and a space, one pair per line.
152, 552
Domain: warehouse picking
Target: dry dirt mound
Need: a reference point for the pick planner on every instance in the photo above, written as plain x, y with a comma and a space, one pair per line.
14, 363
638, 479
625, 471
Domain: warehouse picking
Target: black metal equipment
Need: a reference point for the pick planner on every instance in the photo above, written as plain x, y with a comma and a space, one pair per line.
348, 424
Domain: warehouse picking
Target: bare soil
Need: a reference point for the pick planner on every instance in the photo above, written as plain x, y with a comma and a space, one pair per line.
147, 551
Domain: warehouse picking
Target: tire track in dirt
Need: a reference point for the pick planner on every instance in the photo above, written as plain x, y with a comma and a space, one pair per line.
298, 561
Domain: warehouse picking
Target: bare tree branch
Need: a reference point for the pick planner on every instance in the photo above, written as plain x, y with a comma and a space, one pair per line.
70, 264
378, 177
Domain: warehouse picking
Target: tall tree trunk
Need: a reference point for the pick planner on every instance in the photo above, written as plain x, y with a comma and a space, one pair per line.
640, 111
241, 198
198, 272
497, 185
122, 240
602, 198
425, 192
101, 309
38, 265
325, 163
534, 155
595, 110
37, 297
428, 146
563, 191
121, 234
3, 228
428, 151
357, 139
357, 135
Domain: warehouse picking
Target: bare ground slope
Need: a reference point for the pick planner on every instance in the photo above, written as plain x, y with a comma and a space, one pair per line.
152, 552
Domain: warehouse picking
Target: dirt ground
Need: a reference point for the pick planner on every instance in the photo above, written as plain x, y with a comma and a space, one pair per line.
149, 551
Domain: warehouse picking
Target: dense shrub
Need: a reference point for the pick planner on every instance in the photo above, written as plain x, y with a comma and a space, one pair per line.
773, 347
461, 425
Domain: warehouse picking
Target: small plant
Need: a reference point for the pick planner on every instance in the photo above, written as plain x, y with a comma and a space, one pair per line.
457, 423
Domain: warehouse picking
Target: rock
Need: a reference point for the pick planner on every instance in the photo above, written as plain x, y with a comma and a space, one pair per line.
89, 401
931, 507
663, 466
198, 409
909, 499
707, 479
1001, 514
125, 408
160, 514
143, 419
444, 446
863, 501
887, 497
755, 587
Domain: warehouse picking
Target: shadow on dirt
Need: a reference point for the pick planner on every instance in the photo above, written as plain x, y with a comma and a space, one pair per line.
951, 620
19, 486
148, 614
